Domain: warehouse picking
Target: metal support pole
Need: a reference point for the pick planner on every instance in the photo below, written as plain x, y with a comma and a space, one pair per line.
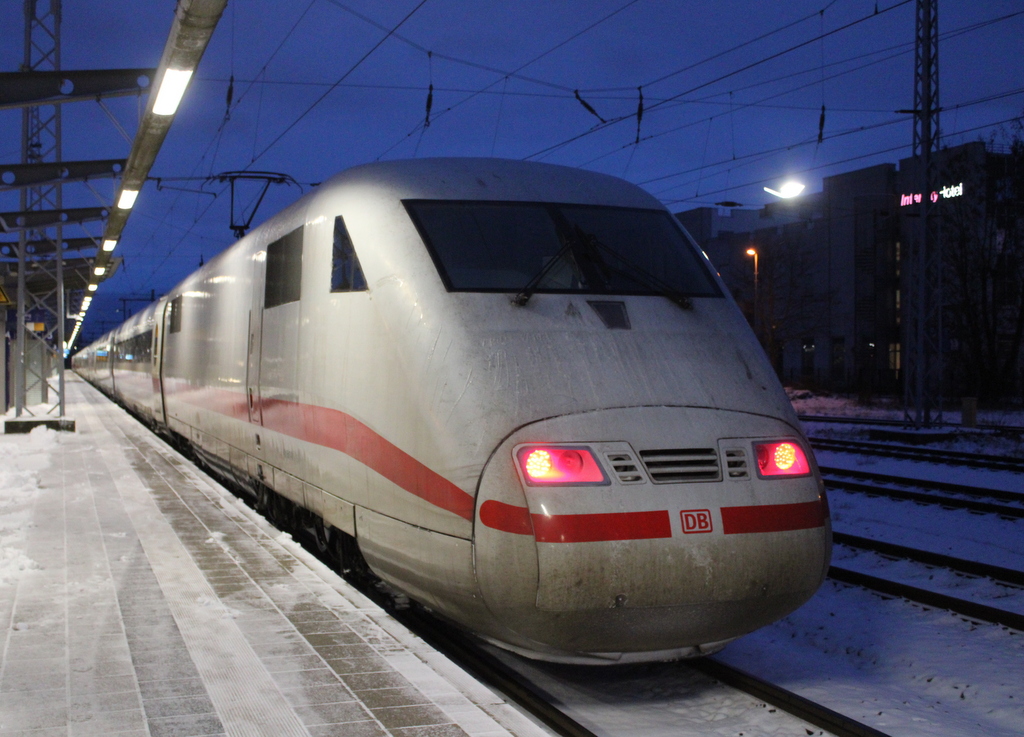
39, 352
19, 340
923, 276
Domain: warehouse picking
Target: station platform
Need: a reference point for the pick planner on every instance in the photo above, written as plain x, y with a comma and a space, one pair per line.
138, 597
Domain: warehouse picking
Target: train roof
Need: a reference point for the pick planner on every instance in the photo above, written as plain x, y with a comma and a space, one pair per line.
491, 179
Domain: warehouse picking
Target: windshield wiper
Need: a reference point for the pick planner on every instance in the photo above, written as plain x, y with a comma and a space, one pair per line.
586, 250
527, 291
634, 273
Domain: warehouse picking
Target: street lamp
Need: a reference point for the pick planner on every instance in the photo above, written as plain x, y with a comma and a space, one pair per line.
787, 190
753, 252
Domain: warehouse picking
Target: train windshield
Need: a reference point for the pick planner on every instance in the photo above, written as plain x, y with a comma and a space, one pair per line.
545, 247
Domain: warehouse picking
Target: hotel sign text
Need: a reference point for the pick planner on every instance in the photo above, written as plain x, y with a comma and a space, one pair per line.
945, 193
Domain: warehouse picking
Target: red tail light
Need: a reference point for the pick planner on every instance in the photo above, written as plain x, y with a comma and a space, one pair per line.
543, 465
781, 459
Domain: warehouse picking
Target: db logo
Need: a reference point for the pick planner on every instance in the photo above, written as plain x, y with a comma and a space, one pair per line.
696, 520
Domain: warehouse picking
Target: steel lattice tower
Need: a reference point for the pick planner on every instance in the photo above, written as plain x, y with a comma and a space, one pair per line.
40, 353
922, 270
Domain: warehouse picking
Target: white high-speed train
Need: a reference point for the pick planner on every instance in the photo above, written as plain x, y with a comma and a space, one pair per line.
519, 392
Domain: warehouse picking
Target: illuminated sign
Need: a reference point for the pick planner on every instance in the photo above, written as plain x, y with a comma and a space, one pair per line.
945, 193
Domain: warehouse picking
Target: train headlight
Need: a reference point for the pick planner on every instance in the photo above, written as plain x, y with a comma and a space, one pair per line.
560, 465
781, 459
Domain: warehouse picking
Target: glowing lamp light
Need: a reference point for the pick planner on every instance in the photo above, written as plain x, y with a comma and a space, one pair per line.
172, 87
92, 287
781, 459
100, 270
789, 189
560, 465
109, 244
127, 199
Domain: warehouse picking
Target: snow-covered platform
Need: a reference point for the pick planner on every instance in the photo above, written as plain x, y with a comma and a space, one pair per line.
138, 597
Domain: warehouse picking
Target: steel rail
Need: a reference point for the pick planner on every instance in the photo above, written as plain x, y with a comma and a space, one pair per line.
830, 476
970, 567
454, 644
979, 491
970, 609
932, 455
794, 704
897, 423
925, 498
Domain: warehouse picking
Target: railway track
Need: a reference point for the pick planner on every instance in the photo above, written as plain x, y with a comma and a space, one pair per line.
970, 567
496, 674
965, 607
885, 485
897, 423
928, 455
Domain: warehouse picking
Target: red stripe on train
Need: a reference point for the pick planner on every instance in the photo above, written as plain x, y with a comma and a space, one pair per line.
773, 517
506, 517
576, 528
334, 429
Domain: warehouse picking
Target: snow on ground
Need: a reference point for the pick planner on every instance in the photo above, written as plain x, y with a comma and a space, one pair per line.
901, 668
985, 538
888, 408
972, 588
653, 700
23, 457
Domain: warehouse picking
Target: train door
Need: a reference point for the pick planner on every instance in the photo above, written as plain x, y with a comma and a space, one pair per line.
159, 414
255, 341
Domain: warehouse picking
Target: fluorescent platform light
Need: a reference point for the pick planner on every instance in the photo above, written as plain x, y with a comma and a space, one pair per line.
92, 287
108, 245
100, 270
127, 198
172, 87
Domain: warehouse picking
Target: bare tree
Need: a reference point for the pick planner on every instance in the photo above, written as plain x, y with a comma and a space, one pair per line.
983, 237
790, 302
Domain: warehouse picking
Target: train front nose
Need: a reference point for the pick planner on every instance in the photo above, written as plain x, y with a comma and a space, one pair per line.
656, 531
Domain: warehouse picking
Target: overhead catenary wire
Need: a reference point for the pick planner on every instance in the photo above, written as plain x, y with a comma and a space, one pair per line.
720, 54
535, 59
746, 67
216, 138
851, 131
392, 32
342, 78
651, 99
877, 152
904, 49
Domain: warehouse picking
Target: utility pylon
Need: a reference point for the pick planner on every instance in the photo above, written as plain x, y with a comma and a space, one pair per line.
922, 271
39, 360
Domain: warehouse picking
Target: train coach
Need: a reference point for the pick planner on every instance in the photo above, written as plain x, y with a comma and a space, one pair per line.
516, 393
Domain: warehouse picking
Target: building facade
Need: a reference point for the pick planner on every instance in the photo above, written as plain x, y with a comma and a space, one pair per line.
827, 299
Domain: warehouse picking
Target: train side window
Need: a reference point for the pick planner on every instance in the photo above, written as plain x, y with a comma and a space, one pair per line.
175, 319
346, 273
284, 270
